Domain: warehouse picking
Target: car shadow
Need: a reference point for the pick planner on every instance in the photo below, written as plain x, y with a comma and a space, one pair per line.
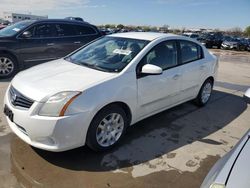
156, 136
237, 87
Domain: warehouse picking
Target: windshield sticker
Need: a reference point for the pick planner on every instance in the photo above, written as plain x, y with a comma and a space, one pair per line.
16, 29
123, 52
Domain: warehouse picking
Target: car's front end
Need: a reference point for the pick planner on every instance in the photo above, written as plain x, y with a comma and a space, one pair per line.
229, 45
46, 110
231, 170
45, 125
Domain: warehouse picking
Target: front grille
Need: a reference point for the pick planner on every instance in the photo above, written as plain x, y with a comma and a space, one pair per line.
18, 99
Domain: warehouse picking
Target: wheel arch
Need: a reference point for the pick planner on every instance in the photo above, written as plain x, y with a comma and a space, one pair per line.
210, 78
121, 104
4, 51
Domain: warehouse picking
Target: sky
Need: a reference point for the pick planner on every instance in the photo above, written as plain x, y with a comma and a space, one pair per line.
221, 14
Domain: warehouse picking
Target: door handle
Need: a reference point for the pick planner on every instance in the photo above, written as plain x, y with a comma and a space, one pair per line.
50, 44
77, 42
202, 67
175, 77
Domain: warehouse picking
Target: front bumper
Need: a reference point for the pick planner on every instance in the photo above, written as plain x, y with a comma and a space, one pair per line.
48, 133
225, 46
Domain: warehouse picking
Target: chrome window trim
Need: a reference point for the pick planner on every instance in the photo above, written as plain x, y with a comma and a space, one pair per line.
33, 25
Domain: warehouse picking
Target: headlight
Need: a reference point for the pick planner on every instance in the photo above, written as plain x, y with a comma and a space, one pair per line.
57, 104
217, 185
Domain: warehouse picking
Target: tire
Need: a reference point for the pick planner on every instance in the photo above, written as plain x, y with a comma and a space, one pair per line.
8, 66
202, 99
102, 127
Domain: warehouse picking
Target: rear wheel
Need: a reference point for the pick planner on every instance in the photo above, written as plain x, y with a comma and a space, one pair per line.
107, 128
8, 66
204, 93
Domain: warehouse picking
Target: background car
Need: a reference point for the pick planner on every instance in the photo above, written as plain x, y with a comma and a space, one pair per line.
211, 39
74, 18
27, 43
234, 43
232, 170
191, 35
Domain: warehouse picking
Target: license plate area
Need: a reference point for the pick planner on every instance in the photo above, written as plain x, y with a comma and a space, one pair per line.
8, 113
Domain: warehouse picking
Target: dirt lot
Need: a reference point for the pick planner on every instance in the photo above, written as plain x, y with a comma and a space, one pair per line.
175, 148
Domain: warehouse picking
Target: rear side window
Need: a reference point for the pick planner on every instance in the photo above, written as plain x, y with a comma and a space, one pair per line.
190, 51
65, 30
84, 30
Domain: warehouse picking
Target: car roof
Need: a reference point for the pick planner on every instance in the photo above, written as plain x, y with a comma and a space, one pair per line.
143, 35
62, 21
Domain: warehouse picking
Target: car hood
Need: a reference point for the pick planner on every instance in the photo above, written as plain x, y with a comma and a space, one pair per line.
230, 43
240, 176
42, 81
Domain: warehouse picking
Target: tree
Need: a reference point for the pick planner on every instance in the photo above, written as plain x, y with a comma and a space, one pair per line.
247, 31
236, 31
107, 26
120, 26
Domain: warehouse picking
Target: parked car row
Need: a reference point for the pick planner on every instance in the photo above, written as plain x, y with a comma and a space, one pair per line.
220, 41
28, 43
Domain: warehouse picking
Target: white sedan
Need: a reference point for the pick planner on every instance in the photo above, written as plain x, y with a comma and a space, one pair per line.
92, 95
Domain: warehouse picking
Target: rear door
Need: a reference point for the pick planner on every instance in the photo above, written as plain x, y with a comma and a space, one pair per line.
193, 67
66, 41
86, 33
71, 36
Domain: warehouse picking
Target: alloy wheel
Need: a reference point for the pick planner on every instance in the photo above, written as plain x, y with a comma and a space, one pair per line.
206, 92
109, 130
6, 66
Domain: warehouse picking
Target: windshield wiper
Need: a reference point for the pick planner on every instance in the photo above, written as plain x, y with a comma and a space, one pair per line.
94, 66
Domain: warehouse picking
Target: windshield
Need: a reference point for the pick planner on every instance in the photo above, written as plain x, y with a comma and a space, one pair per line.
15, 28
110, 54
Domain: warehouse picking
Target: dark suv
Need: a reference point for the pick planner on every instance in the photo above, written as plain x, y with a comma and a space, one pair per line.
211, 39
29, 43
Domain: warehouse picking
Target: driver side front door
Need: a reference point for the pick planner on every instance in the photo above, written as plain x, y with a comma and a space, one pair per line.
159, 92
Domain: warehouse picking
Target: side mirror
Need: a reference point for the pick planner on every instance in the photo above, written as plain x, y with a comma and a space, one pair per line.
151, 69
26, 34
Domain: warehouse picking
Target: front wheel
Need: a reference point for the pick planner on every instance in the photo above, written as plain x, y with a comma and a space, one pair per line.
204, 93
107, 128
8, 66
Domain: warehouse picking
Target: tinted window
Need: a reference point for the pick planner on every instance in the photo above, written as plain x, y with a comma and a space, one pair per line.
84, 30
190, 51
65, 30
43, 31
163, 55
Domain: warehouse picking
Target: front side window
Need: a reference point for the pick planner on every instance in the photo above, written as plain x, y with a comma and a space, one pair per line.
43, 31
163, 55
190, 51
111, 54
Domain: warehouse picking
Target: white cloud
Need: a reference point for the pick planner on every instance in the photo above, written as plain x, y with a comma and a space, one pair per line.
24, 6
186, 2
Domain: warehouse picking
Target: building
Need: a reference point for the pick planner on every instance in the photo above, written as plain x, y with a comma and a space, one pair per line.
15, 17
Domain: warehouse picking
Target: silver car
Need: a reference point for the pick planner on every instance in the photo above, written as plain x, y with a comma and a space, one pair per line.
232, 170
247, 96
